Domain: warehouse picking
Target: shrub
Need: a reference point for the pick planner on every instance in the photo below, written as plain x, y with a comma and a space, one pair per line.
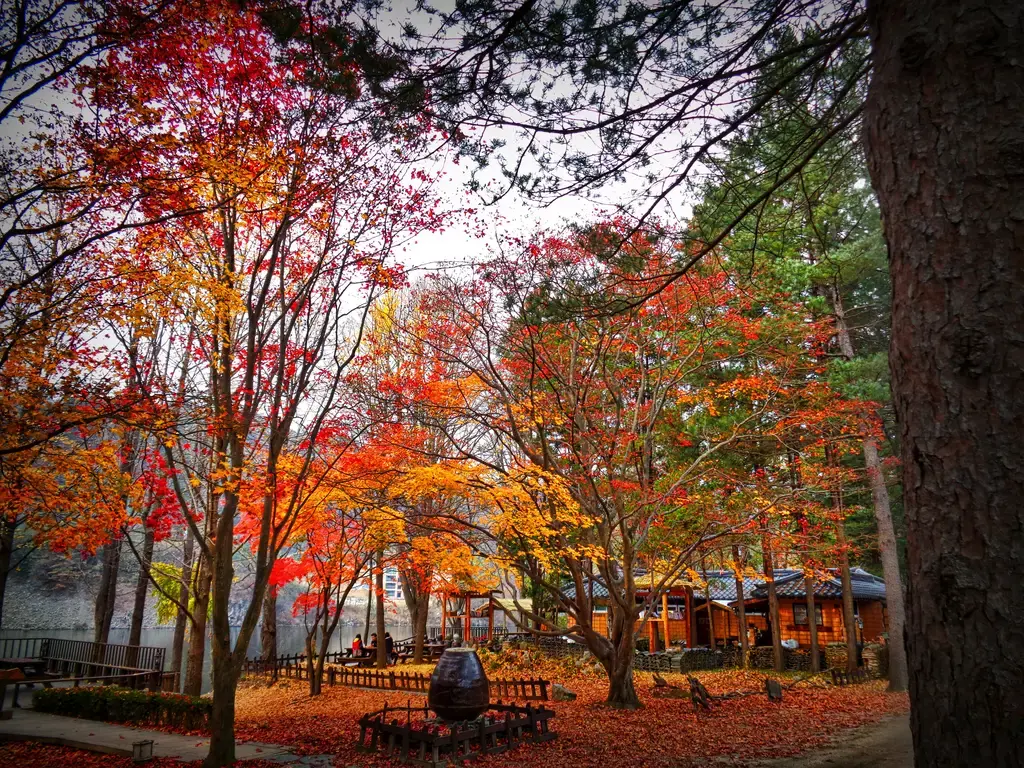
125, 705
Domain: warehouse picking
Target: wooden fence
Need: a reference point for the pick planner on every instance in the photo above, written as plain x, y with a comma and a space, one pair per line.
296, 668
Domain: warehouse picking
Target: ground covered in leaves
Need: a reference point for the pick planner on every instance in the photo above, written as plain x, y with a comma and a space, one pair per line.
666, 732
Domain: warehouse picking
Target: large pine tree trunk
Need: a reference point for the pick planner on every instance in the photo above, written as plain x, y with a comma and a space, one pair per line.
945, 132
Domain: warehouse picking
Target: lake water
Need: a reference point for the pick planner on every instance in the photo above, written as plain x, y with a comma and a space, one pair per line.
290, 639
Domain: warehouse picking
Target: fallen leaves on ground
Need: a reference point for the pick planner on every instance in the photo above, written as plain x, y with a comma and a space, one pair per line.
30, 754
665, 733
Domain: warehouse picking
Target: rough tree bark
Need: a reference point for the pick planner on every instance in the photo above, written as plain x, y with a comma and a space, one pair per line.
945, 133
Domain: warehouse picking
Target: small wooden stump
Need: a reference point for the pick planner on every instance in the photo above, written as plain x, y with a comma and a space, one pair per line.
699, 694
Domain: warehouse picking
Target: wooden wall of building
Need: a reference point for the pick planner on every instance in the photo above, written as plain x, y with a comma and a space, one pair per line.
830, 630
874, 619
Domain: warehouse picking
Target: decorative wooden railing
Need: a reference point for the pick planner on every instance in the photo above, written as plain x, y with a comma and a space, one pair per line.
296, 668
79, 658
503, 727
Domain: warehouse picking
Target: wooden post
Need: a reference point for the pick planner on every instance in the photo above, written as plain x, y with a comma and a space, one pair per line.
444, 616
664, 616
490, 618
690, 636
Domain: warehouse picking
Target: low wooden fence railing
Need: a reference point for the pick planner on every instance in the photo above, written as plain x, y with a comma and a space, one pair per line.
523, 689
149, 679
76, 658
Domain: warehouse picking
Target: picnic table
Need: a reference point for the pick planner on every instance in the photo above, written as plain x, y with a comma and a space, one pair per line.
361, 661
431, 652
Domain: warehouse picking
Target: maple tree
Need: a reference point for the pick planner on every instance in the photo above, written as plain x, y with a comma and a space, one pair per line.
300, 213
563, 430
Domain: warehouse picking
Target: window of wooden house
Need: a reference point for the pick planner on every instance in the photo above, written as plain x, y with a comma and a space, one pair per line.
800, 614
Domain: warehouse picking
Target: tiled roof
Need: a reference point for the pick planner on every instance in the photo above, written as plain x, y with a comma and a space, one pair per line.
789, 583
723, 584
865, 587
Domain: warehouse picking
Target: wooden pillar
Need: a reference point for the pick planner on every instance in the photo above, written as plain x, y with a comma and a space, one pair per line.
490, 618
467, 624
690, 624
664, 616
444, 616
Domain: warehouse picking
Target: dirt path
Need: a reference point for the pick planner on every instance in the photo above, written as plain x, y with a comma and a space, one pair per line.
885, 744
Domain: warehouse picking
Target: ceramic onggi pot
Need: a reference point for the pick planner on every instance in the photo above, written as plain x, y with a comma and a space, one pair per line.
458, 686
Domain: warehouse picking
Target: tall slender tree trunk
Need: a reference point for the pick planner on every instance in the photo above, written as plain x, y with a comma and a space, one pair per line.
382, 654
416, 588
711, 615
7, 528
268, 630
812, 623
883, 520
223, 662
197, 634
945, 143
141, 587
369, 606
741, 611
849, 617
105, 597
887, 547
181, 620
774, 616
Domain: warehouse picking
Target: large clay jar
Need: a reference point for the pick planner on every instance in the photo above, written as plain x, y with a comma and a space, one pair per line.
458, 687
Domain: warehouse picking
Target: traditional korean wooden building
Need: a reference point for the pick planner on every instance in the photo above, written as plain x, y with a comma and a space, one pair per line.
868, 601
695, 614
